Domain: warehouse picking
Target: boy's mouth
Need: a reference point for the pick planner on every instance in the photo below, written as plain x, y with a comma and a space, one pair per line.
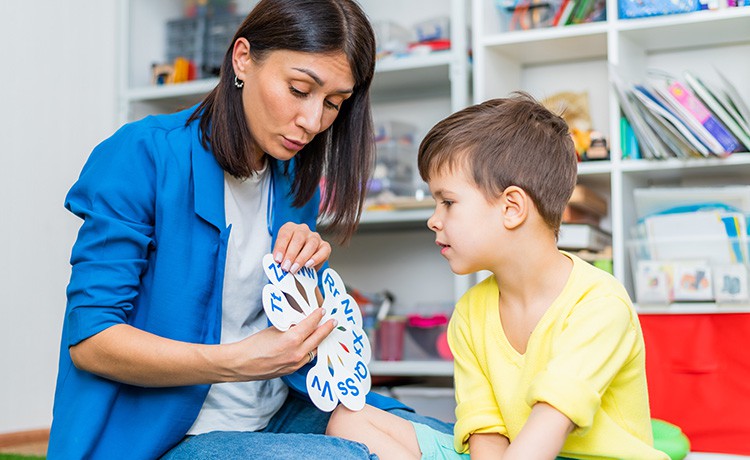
443, 247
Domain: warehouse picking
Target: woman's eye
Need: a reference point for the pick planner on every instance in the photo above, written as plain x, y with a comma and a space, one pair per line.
331, 105
297, 93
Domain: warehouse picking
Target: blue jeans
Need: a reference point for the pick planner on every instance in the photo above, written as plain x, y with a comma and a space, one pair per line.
295, 432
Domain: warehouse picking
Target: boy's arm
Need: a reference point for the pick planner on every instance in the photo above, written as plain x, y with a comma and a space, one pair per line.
487, 446
542, 437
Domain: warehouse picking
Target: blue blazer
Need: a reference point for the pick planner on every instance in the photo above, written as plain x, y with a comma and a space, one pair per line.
150, 253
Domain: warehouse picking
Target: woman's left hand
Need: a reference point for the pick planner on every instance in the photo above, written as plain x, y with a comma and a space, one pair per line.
297, 246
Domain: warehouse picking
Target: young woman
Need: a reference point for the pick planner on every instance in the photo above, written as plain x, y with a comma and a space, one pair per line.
165, 347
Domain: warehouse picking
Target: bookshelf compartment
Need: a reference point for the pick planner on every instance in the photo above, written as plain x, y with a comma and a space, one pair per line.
700, 29
690, 270
584, 41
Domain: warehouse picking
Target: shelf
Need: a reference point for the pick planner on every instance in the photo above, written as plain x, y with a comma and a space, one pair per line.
735, 167
591, 168
174, 91
403, 218
700, 308
412, 77
389, 65
412, 368
391, 75
593, 171
690, 30
552, 44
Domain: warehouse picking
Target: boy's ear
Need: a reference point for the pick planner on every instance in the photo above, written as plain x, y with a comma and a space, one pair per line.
515, 204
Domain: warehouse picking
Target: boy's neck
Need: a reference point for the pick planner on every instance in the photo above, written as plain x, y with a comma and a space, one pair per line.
534, 279
527, 289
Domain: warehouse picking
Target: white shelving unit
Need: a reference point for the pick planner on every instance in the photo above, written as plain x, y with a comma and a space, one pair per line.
394, 250
579, 58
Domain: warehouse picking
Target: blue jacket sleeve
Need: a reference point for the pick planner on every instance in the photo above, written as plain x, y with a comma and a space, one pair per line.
114, 196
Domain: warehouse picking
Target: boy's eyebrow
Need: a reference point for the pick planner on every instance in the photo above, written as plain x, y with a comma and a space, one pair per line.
319, 80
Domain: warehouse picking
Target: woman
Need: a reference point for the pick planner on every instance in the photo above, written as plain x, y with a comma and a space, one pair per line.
164, 296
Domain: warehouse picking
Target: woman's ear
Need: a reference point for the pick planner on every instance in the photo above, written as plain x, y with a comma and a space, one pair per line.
241, 57
515, 204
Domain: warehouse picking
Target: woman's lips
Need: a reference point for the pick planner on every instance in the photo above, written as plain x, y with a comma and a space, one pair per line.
292, 145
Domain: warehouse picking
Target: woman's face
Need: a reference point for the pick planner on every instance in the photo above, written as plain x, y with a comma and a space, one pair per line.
291, 96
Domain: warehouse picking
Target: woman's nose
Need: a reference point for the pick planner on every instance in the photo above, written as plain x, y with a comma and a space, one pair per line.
310, 117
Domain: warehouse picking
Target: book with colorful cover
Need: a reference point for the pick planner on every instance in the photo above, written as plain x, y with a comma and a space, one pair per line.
656, 106
703, 91
650, 147
732, 96
695, 108
661, 94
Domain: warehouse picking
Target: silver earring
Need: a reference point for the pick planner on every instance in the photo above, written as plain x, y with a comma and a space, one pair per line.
238, 83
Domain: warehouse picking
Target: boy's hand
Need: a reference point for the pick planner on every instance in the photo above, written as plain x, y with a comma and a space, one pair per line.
297, 246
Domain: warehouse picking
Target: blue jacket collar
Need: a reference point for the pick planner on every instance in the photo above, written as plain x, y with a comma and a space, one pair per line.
208, 183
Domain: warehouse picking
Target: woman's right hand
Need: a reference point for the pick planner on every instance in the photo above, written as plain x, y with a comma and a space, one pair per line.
298, 246
272, 353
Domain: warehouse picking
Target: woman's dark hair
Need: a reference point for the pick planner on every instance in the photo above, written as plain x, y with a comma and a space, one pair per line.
344, 153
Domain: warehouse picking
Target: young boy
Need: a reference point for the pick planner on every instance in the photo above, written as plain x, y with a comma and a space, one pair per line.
549, 355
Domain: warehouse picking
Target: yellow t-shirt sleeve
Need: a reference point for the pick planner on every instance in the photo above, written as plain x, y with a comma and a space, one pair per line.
597, 340
476, 408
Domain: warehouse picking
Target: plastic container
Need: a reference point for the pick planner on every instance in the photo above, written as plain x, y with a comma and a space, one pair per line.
433, 29
391, 37
184, 39
423, 337
219, 32
390, 338
396, 161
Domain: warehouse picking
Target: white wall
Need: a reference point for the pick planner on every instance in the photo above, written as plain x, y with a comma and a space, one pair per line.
57, 101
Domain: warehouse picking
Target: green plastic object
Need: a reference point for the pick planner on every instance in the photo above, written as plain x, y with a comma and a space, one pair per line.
670, 439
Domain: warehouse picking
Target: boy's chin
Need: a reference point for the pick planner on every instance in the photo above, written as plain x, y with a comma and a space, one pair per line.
458, 269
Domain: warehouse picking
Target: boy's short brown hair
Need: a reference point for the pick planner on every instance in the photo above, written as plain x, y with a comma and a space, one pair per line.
504, 142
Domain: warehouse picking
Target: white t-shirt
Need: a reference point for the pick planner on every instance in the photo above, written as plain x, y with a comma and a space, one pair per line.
243, 406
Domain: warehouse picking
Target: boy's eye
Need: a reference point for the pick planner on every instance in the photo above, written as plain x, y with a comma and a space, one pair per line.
447, 203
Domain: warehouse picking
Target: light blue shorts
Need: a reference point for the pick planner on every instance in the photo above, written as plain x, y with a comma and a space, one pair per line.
436, 445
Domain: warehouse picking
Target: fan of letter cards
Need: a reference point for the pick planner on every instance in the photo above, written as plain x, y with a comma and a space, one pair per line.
341, 372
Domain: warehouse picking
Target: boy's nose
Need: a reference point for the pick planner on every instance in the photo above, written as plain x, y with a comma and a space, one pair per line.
433, 223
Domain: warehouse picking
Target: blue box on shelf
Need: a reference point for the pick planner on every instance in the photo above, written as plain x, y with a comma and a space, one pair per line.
629, 9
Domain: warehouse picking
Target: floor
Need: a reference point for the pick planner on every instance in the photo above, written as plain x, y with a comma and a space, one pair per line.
704, 456
40, 448
31, 448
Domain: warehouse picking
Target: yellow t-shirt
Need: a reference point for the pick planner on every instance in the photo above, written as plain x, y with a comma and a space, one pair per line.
585, 357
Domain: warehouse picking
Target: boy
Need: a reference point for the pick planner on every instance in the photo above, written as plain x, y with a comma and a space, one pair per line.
549, 355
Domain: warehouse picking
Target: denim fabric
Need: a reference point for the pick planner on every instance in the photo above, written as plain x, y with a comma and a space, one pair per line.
295, 432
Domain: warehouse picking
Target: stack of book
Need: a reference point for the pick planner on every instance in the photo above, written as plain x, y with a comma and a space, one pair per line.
670, 117
534, 14
580, 229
